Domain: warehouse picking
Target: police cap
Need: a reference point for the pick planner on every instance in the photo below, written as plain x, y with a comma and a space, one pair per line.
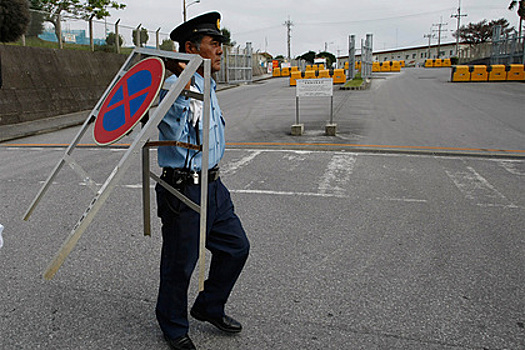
207, 24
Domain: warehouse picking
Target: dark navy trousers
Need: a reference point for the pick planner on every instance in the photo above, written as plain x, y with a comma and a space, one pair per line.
225, 239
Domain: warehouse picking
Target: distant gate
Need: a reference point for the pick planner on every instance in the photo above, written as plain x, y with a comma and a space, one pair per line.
236, 65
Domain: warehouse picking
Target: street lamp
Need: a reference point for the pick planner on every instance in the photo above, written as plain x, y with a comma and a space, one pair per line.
184, 6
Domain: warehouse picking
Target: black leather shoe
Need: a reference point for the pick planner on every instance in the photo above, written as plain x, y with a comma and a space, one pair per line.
182, 343
224, 323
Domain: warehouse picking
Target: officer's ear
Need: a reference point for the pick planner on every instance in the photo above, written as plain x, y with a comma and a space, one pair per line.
190, 47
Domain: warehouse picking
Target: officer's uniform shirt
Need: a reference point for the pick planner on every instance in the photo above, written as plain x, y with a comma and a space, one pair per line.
176, 126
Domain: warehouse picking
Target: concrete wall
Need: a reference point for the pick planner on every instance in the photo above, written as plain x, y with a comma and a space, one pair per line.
39, 83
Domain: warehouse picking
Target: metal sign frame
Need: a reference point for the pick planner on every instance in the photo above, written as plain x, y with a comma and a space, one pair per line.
141, 142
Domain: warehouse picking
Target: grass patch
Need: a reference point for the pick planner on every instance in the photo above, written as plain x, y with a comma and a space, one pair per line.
356, 82
37, 42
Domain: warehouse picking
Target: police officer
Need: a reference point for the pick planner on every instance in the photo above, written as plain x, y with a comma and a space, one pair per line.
225, 236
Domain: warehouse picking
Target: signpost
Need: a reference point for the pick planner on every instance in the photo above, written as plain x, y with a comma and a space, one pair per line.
314, 88
121, 107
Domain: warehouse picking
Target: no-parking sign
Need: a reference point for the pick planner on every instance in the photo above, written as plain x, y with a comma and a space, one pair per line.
128, 101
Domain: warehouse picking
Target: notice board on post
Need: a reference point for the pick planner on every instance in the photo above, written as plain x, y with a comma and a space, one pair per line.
323, 87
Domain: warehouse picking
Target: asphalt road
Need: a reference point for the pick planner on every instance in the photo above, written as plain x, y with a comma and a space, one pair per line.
350, 249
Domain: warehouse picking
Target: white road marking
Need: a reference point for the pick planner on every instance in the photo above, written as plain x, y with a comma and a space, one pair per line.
337, 174
232, 167
477, 189
512, 167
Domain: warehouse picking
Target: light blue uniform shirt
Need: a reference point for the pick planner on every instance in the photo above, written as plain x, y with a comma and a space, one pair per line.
176, 126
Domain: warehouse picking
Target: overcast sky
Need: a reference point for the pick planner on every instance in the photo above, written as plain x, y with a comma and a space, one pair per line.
320, 24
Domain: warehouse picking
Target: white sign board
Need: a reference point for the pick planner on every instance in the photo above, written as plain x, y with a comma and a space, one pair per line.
315, 87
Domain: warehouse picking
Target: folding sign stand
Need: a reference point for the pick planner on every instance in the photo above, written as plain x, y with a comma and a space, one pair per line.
141, 142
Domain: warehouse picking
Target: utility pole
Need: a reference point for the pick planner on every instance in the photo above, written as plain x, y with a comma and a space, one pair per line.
429, 36
440, 25
458, 17
288, 25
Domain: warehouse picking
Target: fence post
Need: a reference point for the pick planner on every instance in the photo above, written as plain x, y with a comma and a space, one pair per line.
117, 36
157, 44
59, 27
137, 36
91, 41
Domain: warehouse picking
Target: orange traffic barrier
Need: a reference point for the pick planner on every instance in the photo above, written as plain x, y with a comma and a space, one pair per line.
460, 73
396, 66
324, 73
478, 73
285, 72
276, 72
339, 76
376, 67
497, 72
516, 72
309, 74
385, 66
447, 63
294, 76
429, 63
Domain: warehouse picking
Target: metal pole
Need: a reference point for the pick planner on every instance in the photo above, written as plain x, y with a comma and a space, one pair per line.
204, 171
296, 110
351, 57
91, 41
137, 36
332, 109
157, 44
117, 36
184, 9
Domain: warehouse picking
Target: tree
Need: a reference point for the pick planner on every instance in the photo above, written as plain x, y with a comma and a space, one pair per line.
521, 11
111, 39
56, 8
14, 19
330, 58
478, 33
144, 37
227, 37
36, 24
308, 57
167, 45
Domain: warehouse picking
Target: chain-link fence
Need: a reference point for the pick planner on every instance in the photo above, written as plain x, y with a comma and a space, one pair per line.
65, 31
236, 65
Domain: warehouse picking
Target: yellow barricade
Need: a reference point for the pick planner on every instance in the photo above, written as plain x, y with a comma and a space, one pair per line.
402, 62
321, 67
324, 73
385, 66
347, 65
294, 76
358, 65
339, 76
447, 63
396, 66
438, 63
309, 74
276, 72
429, 63
376, 67
285, 72
295, 69
460, 73
309, 67
478, 73
497, 72
516, 72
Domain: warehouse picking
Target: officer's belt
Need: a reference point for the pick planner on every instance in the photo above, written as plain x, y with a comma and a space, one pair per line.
178, 176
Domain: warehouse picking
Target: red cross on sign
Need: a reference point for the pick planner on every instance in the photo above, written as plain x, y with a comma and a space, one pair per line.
128, 101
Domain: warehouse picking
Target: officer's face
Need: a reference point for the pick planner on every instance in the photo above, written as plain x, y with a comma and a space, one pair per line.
210, 48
